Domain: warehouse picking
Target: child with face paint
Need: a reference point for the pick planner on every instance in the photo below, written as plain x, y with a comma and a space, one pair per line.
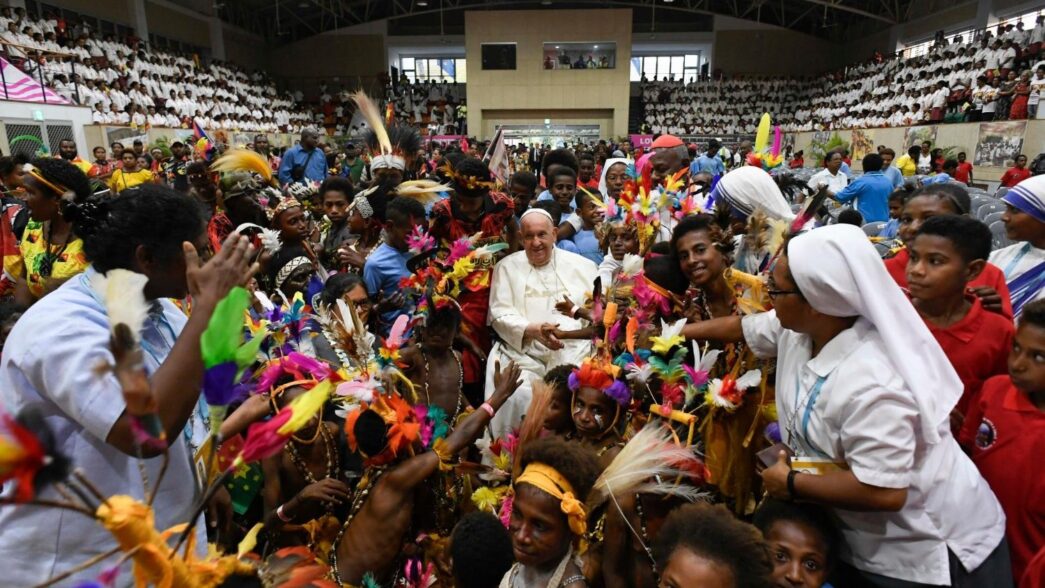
599, 407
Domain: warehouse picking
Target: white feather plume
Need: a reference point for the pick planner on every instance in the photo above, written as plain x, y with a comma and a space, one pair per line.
644, 466
631, 265
270, 240
372, 116
123, 293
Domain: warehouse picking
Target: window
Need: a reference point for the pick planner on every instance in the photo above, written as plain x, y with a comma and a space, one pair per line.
438, 69
919, 49
660, 67
595, 55
1029, 20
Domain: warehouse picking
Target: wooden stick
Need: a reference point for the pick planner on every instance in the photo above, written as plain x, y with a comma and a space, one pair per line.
96, 559
50, 504
159, 477
82, 479
199, 510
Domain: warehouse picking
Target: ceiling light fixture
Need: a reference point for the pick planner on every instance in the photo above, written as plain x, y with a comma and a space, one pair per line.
546, 2
422, 3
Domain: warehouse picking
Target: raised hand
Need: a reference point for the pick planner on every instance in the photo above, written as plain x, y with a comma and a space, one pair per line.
505, 382
209, 282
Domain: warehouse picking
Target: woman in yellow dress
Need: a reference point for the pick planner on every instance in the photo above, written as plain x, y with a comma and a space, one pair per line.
51, 253
131, 175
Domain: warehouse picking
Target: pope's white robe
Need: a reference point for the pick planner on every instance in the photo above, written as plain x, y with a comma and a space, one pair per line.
520, 295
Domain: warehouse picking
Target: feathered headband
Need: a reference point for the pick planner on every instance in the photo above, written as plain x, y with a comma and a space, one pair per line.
602, 376
389, 147
285, 205
243, 160
464, 181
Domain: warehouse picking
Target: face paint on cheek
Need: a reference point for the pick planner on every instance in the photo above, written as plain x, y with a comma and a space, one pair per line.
598, 420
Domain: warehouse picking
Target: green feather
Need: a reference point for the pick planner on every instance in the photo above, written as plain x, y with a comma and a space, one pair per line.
224, 332
247, 353
369, 581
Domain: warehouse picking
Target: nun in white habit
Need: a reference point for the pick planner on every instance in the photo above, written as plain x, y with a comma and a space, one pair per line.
863, 395
523, 292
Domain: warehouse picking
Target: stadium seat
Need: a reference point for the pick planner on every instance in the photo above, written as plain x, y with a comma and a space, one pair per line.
989, 208
872, 229
998, 237
992, 217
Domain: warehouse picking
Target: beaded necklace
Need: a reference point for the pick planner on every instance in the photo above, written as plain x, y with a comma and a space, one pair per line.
362, 492
329, 449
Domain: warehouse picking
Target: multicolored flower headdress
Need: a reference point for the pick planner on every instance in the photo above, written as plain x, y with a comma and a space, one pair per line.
763, 155
600, 375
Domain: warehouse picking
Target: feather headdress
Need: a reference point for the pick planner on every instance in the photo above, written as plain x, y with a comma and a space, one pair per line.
424, 191
389, 147
644, 466
243, 160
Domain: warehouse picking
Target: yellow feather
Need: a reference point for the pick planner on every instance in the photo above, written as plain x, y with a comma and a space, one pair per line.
424, 191
243, 160
372, 116
762, 136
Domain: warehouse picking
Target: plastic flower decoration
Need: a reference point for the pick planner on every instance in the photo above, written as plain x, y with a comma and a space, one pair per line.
600, 375
728, 393
763, 155
670, 336
21, 457
419, 241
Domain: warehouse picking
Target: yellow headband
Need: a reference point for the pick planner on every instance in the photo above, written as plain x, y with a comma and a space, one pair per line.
40, 178
547, 479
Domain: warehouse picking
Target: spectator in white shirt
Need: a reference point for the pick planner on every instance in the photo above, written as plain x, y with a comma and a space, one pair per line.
830, 176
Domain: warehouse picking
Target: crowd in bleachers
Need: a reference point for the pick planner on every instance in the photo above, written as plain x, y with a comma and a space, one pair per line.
988, 77
126, 83
435, 108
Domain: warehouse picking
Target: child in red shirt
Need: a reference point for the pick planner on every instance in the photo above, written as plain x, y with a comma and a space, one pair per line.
964, 172
947, 199
946, 254
1005, 428
1017, 173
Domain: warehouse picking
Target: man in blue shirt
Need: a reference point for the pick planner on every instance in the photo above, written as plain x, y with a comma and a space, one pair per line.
892, 172
386, 266
709, 162
304, 162
871, 191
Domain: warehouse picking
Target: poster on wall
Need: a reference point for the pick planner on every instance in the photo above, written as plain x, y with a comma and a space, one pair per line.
918, 135
126, 136
862, 144
999, 143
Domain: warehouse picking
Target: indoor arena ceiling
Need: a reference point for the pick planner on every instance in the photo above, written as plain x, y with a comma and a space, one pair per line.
282, 21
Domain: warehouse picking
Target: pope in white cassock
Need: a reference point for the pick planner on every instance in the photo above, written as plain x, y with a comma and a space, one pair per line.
523, 292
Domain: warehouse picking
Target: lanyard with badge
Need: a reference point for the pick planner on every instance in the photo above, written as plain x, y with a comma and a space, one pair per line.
808, 458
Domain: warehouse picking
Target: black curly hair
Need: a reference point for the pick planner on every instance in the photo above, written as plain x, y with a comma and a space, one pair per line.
715, 534
481, 551
575, 462
1033, 314
702, 222
337, 285
811, 515
955, 196
153, 216
473, 168
64, 175
336, 184
560, 156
